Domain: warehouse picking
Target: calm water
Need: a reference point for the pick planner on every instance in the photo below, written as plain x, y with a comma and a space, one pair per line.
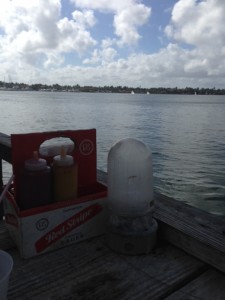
186, 134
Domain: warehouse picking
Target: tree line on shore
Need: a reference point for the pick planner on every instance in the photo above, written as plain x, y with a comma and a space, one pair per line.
110, 89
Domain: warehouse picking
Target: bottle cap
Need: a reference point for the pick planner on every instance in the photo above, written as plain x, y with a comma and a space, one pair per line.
35, 163
63, 159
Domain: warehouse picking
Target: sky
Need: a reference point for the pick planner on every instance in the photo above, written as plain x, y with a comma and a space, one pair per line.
134, 43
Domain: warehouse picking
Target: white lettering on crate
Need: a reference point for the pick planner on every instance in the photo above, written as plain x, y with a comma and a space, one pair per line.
67, 226
72, 238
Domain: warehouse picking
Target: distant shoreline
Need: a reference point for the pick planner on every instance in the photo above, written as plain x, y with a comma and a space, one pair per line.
108, 89
114, 92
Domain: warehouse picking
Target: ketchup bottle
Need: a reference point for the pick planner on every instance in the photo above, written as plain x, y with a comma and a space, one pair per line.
35, 189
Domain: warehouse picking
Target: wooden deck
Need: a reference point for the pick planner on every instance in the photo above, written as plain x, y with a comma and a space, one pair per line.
188, 262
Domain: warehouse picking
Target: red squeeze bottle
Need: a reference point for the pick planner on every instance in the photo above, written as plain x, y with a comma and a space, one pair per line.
35, 183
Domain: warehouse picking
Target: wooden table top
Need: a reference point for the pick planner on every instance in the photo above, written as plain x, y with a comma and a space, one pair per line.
187, 263
90, 270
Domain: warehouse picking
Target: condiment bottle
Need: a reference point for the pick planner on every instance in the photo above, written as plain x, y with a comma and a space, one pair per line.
35, 188
64, 177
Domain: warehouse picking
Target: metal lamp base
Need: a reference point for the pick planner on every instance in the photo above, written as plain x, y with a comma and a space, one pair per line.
132, 242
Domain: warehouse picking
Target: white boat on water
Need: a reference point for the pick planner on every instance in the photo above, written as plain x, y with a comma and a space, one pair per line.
132, 93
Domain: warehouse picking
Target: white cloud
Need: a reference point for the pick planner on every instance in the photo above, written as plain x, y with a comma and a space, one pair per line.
108, 42
54, 59
31, 18
85, 18
172, 66
129, 15
34, 33
36, 41
198, 23
201, 25
74, 36
102, 56
128, 20
104, 5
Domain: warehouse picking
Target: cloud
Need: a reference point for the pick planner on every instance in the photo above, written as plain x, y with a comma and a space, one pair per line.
35, 33
102, 56
198, 23
201, 25
129, 15
31, 23
73, 34
37, 43
171, 66
85, 18
165, 68
128, 20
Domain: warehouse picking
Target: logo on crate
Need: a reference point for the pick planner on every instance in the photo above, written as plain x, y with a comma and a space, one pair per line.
67, 226
86, 147
42, 224
12, 220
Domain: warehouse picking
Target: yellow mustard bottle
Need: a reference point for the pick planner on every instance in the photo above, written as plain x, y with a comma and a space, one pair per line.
64, 177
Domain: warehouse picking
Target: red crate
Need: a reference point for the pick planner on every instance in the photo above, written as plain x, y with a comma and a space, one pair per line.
45, 228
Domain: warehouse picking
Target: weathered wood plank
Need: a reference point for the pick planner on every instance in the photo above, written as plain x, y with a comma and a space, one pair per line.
209, 286
193, 230
169, 265
43, 275
90, 270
